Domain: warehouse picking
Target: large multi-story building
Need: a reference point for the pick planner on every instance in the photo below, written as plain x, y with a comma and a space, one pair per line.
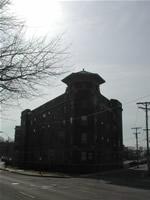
80, 130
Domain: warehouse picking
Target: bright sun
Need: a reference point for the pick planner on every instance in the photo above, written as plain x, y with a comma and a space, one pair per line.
41, 15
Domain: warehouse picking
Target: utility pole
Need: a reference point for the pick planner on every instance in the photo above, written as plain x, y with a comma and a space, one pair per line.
147, 139
145, 107
137, 144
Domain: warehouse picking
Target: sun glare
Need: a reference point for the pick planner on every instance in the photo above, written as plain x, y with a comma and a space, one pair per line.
40, 15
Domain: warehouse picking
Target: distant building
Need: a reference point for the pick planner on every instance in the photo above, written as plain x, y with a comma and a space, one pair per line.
80, 130
19, 146
6, 150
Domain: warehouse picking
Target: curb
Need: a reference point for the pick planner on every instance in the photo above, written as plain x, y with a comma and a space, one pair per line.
35, 175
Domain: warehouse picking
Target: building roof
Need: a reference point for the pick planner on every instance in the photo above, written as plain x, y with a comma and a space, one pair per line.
52, 104
83, 76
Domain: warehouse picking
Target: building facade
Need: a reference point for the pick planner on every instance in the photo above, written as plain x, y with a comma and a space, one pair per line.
80, 130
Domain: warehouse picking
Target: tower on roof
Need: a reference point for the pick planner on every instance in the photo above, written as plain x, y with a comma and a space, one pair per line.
83, 76
83, 82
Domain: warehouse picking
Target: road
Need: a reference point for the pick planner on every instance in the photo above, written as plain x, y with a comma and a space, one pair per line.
21, 187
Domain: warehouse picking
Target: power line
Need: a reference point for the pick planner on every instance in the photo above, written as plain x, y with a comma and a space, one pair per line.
135, 100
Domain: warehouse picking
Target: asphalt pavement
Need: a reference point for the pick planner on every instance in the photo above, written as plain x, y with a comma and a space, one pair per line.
132, 184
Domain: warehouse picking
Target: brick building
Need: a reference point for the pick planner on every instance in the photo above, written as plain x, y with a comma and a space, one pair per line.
80, 130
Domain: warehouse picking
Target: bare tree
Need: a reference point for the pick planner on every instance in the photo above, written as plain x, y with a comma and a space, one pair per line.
1, 139
24, 64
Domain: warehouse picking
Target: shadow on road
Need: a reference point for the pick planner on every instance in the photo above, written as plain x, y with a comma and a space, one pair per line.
130, 177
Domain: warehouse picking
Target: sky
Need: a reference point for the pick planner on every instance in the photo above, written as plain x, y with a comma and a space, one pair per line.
110, 38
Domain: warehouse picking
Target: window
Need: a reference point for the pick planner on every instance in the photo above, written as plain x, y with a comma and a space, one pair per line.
114, 143
90, 156
84, 104
49, 112
72, 105
102, 138
61, 137
84, 138
114, 117
48, 126
65, 109
108, 127
84, 120
107, 140
71, 120
95, 101
78, 85
102, 107
83, 156
114, 128
51, 154
34, 131
44, 115
102, 123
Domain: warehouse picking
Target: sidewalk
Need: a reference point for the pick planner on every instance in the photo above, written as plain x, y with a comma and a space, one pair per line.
140, 172
34, 173
140, 168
